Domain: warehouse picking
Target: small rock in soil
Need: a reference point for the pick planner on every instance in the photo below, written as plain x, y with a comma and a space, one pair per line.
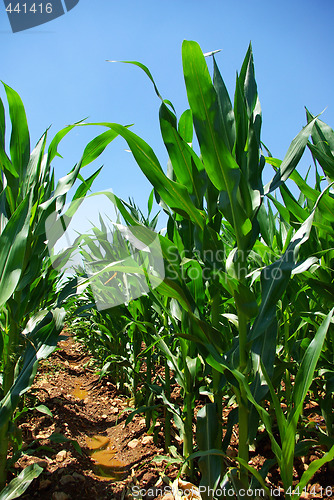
79, 477
132, 444
60, 457
66, 479
42, 463
44, 484
147, 440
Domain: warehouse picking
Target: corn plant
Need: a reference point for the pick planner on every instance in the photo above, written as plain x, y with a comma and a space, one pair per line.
215, 207
31, 303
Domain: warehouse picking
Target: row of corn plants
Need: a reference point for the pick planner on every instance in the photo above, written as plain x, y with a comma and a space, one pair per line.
244, 312
32, 297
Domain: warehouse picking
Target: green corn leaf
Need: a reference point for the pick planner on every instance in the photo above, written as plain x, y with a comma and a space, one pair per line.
43, 340
141, 409
226, 110
43, 409
86, 185
220, 364
95, 147
310, 193
13, 241
60, 438
312, 469
150, 202
302, 383
322, 134
247, 80
63, 186
173, 193
297, 213
263, 352
275, 278
182, 157
146, 71
282, 210
305, 373
18, 485
196, 284
281, 420
218, 161
291, 158
326, 162
323, 145
2, 126
32, 177
186, 126
19, 140
53, 148
254, 473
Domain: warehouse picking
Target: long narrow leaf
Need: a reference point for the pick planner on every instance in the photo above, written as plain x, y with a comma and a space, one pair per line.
18, 485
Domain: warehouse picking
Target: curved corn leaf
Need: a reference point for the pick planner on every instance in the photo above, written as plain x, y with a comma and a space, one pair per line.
306, 370
274, 278
19, 139
145, 69
185, 162
311, 470
13, 241
203, 101
42, 342
323, 145
19, 484
186, 126
173, 193
95, 147
226, 110
292, 157
31, 179
220, 165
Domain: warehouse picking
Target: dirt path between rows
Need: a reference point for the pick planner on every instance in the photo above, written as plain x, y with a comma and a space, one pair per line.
83, 407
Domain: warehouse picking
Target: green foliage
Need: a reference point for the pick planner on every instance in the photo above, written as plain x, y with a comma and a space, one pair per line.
31, 308
239, 264
244, 312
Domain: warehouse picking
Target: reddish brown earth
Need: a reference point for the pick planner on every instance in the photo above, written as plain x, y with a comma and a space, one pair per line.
83, 407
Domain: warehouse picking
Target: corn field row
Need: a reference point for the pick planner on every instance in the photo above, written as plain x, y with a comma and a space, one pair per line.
239, 315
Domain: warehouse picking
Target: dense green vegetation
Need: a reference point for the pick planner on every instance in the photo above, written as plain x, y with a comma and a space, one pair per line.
244, 311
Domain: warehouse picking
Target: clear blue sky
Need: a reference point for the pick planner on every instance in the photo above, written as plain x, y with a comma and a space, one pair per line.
59, 70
